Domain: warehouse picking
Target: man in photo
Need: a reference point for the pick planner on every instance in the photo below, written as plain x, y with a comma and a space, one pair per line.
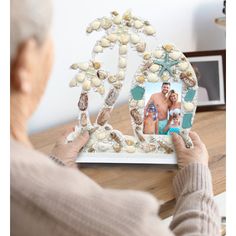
160, 101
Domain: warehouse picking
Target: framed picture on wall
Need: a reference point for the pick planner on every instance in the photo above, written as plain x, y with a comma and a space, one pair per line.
210, 70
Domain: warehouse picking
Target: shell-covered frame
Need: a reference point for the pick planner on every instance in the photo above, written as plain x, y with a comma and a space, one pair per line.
165, 63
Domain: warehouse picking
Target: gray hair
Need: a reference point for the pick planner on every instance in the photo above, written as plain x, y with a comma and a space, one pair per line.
29, 19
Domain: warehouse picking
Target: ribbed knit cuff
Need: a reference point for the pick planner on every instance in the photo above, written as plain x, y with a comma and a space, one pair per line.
192, 178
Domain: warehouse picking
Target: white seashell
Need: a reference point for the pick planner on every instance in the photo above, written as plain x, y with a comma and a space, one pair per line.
100, 135
124, 38
158, 53
134, 38
152, 77
96, 82
130, 149
121, 75
133, 103
72, 83
105, 42
112, 79
175, 55
123, 49
83, 66
122, 62
141, 103
117, 19
188, 106
98, 49
86, 85
106, 23
74, 66
95, 24
103, 147
101, 90
80, 77
140, 47
149, 30
183, 65
112, 38
138, 24
154, 68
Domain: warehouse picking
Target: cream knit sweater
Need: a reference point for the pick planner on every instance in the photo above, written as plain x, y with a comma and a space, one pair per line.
48, 199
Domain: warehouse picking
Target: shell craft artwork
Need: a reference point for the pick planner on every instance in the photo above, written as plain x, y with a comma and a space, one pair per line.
162, 98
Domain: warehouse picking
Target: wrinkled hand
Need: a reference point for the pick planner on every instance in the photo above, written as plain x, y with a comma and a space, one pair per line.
67, 152
185, 156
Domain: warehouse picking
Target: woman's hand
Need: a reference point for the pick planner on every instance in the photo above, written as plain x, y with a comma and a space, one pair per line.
67, 152
185, 156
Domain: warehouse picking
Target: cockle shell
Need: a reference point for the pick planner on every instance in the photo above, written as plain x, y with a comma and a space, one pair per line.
188, 106
83, 119
149, 30
117, 19
96, 82
103, 116
130, 149
101, 90
80, 77
158, 53
140, 79
83, 66
101, 135
154, 68
72, 83
95, 24
112, 79
168, 47
112, 37
111, 97
136, 116
183, 65
175, 55
124, 38
123, 49
83, 101
140, 47
101, 74
134, 38
74, 66
106, 23
152, 77
86, 86
138, 24
98, 49
105, 42
122, 62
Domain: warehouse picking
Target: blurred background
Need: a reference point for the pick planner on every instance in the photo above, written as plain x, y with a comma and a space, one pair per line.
190, 25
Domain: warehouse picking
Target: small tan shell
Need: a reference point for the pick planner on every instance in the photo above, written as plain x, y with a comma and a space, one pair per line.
121, 75
101, 74
140, 47
91, 149
89, 30
72, 83
83, 101
154, 68
80, 77
112, 37
96, 82
106, 23
138, 24
140, 79
74, 66
123, 49
86, 86
95, 25
165, 77
127, 15
98, 49
112, 79
149, 147
134, 38
168, 47
111, 97
117, 85
141, 103
136, 116
129, 142
83, 119
149, 30
122, 62
124, 38
83, 66
116, 147
104, 116
96, 65
146, 55
133, 103
101, 90
105, 42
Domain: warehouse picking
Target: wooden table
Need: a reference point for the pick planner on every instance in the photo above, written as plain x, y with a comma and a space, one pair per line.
156, 179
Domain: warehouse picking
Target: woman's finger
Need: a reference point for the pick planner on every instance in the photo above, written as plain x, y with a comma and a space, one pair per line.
178, 142
195, 138
62, 138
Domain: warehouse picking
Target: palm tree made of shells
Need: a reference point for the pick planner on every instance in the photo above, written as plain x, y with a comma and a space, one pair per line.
121, 30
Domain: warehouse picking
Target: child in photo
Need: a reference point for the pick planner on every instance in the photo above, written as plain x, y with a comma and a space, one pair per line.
150, 124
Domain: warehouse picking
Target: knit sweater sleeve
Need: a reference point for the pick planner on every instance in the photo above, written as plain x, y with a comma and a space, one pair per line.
196, 212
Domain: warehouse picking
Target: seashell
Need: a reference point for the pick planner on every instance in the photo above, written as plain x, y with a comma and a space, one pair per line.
72, 83
98, 49
127, 15
136, 116
149, 30
115, 137
83, 119
129, 142
117, 147
129, 24
149, 147
138, 24
117, 19
141, 103
91, 131
112, 79
96, 65
140, 47
91, 149
187, 80
139, 134
95, 25
96, 82
140, 79
111, 97
165, 146
122, 62
152, 77
74, 66
168, 47
101, 135
105, 42
83, 101
165, 78
123, 50
124, 38
188, 106
103, 147
183, 65
112, 37
146, 55
134, 38
101, 90
154, 68
158, 53
133, 103
106, 23
117, 85
121, 75
80, 77
83, 66
89, 30
186, 138
114, 13
86, 86
130, 149
146, 22
103, 116
147, 65
101, 74
175, 55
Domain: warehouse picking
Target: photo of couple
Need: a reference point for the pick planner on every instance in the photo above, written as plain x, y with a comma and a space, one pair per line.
163, 108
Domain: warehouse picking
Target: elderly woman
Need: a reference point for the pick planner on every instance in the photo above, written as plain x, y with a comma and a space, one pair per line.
50, 198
